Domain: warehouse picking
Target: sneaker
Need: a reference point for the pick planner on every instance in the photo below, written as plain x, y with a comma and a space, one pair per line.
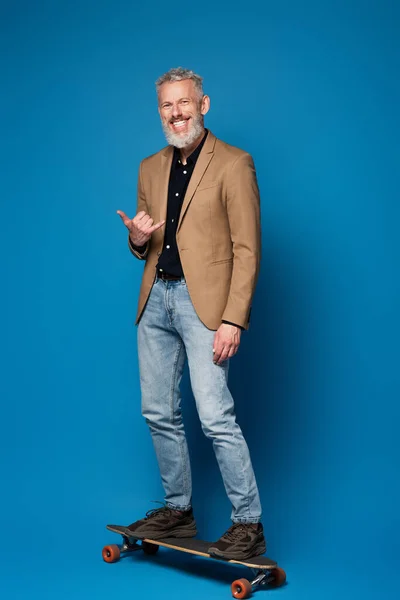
241, 541
164, 522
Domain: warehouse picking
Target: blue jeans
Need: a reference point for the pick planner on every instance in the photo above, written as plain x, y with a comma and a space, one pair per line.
170, 331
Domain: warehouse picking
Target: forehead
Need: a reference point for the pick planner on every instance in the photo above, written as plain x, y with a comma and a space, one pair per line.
171, 91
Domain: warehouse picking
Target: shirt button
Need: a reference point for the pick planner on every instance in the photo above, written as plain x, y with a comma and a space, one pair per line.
184, 172
168, 247
172, 220
176, 194
160, 269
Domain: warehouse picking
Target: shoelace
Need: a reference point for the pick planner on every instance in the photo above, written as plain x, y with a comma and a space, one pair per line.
154, 512
235, 532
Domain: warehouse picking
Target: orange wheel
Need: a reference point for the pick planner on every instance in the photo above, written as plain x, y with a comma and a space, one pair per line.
111, 553
279, 576
241, 588
149, 548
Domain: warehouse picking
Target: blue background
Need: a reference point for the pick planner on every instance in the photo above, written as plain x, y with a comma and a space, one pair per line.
311, 90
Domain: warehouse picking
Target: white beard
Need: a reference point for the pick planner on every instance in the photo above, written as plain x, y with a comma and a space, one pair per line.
182, 141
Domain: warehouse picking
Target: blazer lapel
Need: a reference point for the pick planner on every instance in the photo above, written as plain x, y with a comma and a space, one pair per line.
202, 163
163, 180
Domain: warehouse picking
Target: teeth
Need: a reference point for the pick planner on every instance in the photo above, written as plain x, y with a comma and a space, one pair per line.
179, 123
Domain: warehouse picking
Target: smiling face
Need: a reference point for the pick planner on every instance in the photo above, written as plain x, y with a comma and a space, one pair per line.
182, 112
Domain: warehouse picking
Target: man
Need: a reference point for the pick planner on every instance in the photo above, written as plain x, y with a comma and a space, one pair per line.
198, 229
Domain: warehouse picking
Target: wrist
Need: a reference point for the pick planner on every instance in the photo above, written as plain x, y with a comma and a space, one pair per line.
136, 241
136, 244
232, 324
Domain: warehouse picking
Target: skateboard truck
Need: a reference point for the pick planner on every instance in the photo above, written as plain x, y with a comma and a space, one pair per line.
243, 588
260, 579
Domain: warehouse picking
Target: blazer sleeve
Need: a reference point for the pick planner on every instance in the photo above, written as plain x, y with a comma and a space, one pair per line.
243, 208
140, 253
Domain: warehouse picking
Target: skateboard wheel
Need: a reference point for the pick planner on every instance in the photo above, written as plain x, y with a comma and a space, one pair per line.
149, 548
279, 577
241, 588
111, 553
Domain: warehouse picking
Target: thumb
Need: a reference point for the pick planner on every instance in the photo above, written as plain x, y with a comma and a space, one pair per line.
126, 220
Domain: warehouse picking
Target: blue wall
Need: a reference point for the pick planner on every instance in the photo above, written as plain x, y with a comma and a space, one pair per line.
311, 89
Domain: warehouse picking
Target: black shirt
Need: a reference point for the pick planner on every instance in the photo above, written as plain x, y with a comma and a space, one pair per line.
169, 261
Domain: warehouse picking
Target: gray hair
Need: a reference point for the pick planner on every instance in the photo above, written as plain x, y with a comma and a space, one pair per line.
180, 74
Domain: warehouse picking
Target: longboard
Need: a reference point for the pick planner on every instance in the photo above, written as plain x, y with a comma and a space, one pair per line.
266, 570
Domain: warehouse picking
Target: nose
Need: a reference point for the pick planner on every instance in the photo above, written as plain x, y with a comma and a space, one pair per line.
176, 111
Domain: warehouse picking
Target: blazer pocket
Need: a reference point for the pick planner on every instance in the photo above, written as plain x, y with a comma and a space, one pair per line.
206, 185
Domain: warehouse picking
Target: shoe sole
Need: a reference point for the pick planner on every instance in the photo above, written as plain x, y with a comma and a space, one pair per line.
182, 532
256, 551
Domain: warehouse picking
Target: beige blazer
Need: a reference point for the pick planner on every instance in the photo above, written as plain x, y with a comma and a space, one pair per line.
218, 234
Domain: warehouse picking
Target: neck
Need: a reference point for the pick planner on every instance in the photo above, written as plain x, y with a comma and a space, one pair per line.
187, 151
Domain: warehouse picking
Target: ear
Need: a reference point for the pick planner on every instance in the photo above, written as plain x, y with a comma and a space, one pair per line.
205, 105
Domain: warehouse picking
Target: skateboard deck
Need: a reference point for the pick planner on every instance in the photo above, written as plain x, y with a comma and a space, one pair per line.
266, 570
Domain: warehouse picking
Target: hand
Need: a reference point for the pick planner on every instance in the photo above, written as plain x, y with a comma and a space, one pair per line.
140, 227
226, 342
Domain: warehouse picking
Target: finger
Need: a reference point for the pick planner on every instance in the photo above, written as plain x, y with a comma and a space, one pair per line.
217, 346
224, 355
126, 220
233, 351
157, 226
137, 218
146, 223
217, 350
141, 226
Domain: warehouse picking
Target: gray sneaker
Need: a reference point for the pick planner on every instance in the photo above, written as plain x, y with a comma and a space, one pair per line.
164, 522
241, 541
